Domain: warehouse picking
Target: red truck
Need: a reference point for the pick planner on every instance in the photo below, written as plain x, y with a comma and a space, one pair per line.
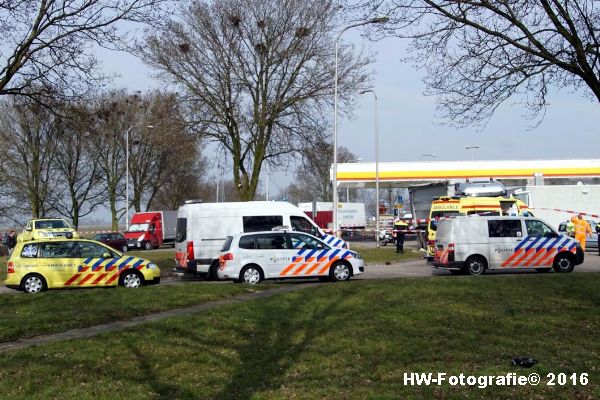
151, 229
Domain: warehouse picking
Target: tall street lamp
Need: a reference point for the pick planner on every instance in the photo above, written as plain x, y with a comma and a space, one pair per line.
127, 173
472, 148
378, 20
376, 129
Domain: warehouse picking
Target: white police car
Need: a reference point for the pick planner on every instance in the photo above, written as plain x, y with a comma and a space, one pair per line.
253, 257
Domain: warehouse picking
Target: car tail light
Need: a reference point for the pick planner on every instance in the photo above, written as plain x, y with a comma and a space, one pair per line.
224, 258
190, 251
11, 268
450, 252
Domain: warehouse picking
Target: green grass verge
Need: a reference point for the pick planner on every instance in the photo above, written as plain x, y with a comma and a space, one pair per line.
53, 311
350, 341
386, 254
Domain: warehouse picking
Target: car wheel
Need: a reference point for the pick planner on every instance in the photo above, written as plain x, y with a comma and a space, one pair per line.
563, 263
131, 280
476, 265
33, 283
340, 272
148, 246
543, 269
384, 243
124, 249
251, 274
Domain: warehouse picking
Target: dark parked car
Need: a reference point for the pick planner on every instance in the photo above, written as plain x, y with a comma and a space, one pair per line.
114, 239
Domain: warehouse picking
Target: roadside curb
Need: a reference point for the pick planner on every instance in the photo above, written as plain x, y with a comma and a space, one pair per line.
96, 330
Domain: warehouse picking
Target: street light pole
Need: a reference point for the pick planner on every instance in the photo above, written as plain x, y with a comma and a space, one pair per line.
379, 20
127, 177
376, 126
473, 148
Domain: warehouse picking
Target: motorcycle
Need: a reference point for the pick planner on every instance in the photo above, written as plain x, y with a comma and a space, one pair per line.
385, 237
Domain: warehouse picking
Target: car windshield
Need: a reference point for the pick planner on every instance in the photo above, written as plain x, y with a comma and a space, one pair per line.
51, 224
138, 227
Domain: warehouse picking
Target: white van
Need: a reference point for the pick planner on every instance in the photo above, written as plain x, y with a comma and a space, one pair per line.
475, 244
202, 229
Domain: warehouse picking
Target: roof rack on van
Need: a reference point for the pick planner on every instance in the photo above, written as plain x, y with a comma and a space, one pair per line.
281, 228
193, 201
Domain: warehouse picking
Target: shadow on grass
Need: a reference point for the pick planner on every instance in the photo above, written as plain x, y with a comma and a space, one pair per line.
282, 331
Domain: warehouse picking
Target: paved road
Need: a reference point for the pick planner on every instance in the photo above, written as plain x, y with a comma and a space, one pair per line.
420, 268
406, 269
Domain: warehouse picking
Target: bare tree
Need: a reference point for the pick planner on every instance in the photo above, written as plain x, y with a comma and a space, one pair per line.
257, 74
113, 115
48, 45
478, 54
162, 148
314, 173
27, 137
78, 190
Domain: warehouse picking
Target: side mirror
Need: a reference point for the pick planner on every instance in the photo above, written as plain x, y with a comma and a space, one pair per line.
107, 255
28, 229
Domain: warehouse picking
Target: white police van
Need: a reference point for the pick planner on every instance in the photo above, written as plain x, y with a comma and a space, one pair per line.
475, 244
253, 257
202, 229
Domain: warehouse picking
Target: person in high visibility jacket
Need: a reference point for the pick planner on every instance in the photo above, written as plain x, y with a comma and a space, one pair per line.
582, 231
400, 231
571, 226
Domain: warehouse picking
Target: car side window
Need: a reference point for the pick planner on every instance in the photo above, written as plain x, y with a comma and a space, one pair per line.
92, 250
301, 224
538, 228
262, 223
505, 228
247, 242
58, 250
300, 241
273, 241
30, 251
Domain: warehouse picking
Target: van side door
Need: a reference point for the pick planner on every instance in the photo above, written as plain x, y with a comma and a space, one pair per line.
506, 240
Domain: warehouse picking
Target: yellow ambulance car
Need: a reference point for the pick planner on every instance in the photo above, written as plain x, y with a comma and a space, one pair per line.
42, 264
445, 207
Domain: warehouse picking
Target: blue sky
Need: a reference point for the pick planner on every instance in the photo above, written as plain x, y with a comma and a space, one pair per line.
408, 126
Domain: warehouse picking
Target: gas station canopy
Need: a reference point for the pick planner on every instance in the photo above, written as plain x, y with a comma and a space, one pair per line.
403, 174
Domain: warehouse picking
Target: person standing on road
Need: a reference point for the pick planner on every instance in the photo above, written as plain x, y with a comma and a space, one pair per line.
582, 231
400, 230
11, 242
571, 226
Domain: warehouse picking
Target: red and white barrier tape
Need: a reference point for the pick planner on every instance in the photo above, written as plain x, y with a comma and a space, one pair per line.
567, 211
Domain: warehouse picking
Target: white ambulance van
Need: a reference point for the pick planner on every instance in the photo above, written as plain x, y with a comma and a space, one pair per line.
202, 229
474, 244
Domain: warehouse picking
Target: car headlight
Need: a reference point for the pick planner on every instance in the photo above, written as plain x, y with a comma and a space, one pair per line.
152, 266
45, 234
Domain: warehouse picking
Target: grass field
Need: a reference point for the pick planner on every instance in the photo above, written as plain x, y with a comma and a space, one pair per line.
25, 316
337, 341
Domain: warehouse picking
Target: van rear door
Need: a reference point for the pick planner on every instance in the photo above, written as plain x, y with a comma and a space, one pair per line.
506, 242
